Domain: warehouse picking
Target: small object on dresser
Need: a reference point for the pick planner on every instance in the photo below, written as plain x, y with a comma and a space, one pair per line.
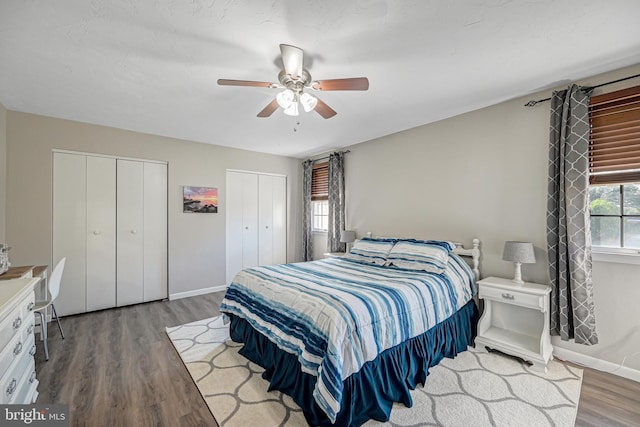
519, 253
4, 258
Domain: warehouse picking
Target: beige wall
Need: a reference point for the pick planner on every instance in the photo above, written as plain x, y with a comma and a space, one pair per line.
484, 174
196, 241
3, 170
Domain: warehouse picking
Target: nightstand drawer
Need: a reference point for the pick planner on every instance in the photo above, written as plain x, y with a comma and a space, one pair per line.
512, 297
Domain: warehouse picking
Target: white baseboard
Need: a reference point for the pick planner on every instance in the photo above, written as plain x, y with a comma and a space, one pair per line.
195, 292
598, 364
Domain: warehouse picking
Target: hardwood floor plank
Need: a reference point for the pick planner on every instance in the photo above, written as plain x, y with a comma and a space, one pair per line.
118, 368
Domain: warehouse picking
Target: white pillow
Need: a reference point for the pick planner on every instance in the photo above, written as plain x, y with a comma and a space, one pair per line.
371, 250
428, 255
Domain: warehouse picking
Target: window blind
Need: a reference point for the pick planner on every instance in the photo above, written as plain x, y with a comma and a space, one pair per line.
614, 143
320, 181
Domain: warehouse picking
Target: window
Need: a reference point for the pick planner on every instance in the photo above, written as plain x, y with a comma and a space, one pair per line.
320, 196
614, 169
615, 215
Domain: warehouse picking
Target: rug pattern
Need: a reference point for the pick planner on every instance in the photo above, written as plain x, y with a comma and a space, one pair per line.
475, 388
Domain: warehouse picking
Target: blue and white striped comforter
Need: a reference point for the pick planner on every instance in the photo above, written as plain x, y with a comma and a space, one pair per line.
336, 314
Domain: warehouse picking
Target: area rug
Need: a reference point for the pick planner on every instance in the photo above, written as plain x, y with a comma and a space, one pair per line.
474, 389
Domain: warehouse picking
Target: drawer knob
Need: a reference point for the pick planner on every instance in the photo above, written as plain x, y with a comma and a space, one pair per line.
16, 323
32, 378
17, 349
30, 330
31, 306
508, 296
32, 352
12, 387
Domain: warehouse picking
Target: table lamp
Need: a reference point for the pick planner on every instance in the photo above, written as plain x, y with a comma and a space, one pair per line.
519, 253
347, 236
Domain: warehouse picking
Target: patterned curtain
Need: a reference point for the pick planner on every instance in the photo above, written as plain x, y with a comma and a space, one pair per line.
336, 203
568, 225
307, 234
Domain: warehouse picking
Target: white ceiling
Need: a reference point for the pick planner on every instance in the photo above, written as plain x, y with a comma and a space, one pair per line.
152, 65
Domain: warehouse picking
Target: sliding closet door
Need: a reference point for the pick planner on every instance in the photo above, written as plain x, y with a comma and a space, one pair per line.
69, 229
155, 231
101, 233
130, 232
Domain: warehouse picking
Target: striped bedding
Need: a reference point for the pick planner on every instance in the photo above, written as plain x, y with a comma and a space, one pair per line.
336, 314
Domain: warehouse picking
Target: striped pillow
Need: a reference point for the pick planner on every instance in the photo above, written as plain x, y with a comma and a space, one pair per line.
428, 255
370, 250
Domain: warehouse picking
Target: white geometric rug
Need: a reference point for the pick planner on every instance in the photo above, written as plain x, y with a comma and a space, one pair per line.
474, 389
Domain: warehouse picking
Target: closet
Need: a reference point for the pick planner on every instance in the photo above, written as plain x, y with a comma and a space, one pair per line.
110, 221
256, 220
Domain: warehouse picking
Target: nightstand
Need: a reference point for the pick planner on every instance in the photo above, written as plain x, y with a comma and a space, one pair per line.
334, 254
515, 320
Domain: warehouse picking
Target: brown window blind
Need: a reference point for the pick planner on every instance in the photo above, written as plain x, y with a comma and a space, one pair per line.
614, 143
320, 181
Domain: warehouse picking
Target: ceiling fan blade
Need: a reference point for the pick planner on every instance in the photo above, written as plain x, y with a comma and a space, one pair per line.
292, 58
356, 83
324, 110
226, 82
269, 109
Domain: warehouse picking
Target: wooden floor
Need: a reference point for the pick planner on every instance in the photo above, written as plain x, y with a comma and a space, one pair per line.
118, 368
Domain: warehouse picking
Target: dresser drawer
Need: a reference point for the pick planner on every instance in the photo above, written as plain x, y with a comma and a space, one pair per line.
24, 391
16, 322
512, 297
14, 375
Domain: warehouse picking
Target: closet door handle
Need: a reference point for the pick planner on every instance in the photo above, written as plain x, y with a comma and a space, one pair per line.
96, 233
134, 231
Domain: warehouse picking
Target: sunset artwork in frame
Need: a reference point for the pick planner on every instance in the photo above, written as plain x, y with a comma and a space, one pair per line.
199, 199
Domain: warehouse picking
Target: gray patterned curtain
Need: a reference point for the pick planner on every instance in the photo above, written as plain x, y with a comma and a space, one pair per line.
307, 234
568, 225
336, 203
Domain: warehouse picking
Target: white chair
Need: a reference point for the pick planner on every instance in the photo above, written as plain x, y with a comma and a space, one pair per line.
41, 306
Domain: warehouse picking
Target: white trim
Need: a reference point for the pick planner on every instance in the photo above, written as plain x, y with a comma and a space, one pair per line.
86, 153
197, 292
256, 172
616, 255
598, 364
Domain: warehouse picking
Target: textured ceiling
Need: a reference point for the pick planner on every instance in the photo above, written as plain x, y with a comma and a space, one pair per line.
152, 65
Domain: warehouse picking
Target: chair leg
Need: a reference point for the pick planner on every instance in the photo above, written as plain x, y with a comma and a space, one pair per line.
53, 308
43, 326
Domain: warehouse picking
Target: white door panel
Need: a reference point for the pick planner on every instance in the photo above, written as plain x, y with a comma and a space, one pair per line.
130, 232
234, 224
279, 220
69, 228
155, 231
249, 220
265, 219
101, 233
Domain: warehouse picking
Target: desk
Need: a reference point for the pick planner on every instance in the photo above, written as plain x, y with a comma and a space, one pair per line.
23, 272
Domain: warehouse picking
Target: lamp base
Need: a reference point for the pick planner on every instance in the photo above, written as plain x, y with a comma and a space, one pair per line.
517, 279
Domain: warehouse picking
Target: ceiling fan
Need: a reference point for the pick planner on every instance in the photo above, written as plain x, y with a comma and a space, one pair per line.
295, 79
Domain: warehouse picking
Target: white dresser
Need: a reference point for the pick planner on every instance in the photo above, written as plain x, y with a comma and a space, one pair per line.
18, 383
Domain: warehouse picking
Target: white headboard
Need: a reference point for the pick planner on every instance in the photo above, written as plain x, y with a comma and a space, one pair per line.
473, 252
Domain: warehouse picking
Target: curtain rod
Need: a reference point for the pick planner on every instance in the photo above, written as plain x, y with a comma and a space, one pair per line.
326, 157
532, 103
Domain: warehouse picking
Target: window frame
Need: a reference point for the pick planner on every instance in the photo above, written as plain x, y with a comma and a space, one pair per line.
614, 120
319, 193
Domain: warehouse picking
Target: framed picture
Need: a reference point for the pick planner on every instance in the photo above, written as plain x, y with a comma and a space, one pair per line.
199, 199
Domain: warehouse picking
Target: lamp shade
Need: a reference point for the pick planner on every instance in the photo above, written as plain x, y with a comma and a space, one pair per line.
521, 252
347, 236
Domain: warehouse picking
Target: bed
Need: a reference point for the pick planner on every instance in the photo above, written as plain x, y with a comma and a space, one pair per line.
347, 337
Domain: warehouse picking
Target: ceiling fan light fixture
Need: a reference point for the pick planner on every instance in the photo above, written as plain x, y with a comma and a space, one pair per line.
308, 102
286, 98
292, 109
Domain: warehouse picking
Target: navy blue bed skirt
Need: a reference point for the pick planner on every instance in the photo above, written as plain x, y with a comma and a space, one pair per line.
371, 392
